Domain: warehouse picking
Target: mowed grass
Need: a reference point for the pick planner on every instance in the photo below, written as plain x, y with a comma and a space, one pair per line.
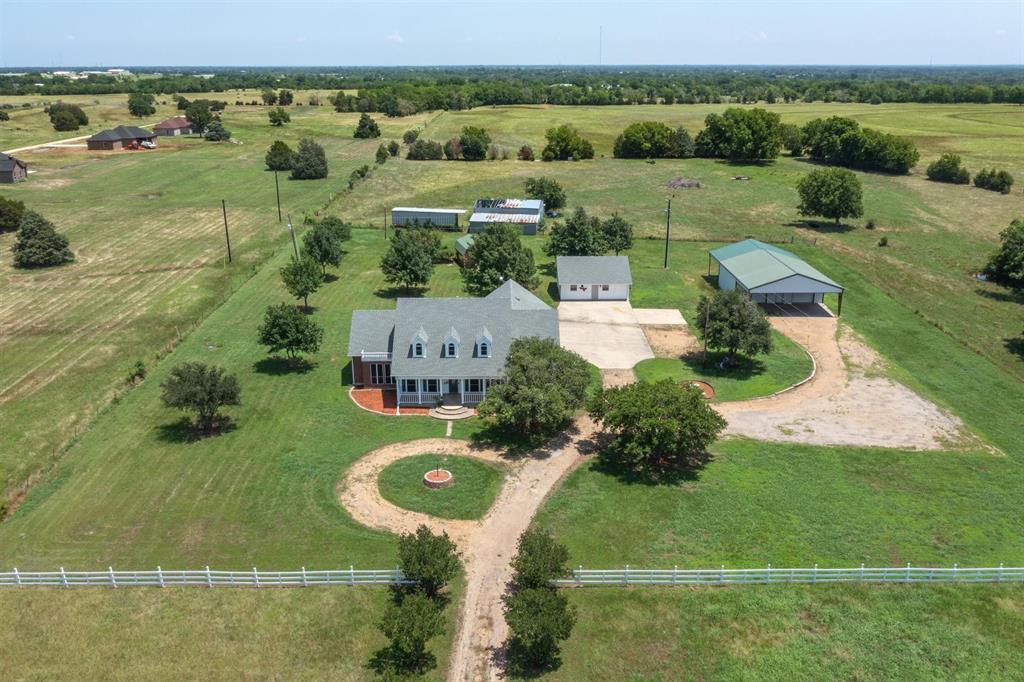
822, 632
748, 378
127, 634
471, 494
147, 230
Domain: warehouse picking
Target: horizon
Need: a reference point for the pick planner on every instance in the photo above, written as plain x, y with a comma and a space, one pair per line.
390, 34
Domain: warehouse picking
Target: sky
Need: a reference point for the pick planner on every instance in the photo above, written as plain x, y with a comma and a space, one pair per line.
487, 32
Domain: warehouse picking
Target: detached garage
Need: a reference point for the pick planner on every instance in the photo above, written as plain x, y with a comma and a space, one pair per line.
594, 278
769, 274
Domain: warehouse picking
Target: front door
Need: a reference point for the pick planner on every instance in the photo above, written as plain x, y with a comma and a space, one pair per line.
451, 386
594, 290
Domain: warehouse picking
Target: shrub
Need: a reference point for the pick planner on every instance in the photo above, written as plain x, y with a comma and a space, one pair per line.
66, 117
996, 181
136, 374
37, 243
367, 128
884, 241
453, 149
280, 156
4, 116
278, 116
393, 148
948, 169
431, 560
425, 150
525, 153
1007, 264
539, 559
11, 213
310, 162
564, 142
382, 154
410, 136
474, 141
216, 132
870, 224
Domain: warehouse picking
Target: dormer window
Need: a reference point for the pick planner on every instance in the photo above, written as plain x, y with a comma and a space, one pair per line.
451, 344
451, 350
485, 350
419, 343
417, 350
483, 343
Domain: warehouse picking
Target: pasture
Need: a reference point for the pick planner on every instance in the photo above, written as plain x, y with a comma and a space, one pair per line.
136, 489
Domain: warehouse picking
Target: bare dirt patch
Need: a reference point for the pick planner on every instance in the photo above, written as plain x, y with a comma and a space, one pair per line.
671, 342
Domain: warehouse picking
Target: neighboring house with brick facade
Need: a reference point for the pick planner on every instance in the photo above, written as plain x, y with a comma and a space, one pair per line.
455, 348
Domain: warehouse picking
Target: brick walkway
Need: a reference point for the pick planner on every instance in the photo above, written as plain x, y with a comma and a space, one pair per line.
383, 401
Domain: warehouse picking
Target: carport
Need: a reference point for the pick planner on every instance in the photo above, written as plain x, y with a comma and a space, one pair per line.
770, 275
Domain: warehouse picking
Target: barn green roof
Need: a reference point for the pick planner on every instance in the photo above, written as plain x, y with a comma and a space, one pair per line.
754, 264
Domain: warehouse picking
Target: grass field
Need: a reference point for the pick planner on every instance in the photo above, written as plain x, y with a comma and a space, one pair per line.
748, 378
469, 497
136, 490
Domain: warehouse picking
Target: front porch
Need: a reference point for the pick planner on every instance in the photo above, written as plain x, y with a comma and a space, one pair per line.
442, 391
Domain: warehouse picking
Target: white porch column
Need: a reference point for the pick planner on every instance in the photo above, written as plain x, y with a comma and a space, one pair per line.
462, 391
419, 391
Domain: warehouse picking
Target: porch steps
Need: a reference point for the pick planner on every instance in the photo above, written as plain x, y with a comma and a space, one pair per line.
452, 412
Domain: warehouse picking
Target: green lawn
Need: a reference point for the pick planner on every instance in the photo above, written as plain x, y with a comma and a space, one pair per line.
475, 486
837, 632
748, 378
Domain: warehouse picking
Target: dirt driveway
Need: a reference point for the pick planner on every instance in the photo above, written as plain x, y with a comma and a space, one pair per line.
609, 333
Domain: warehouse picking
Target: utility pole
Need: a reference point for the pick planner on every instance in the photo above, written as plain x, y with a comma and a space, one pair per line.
277, 189
290, 229
227, 237
668, 223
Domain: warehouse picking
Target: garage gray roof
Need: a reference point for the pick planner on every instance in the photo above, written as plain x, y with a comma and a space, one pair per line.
507, 313
123, 133
755, 264
593, 270
7, 163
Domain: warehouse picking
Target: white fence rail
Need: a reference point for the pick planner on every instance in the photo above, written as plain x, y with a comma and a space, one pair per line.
203, 578
764, 576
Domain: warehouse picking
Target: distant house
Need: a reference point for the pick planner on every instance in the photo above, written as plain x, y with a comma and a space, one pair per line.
771, 275
528, 213
179, 125
12, 170
121, 137
593, 278
447, 218
448, 348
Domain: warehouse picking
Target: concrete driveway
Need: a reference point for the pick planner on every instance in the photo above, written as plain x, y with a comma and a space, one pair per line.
606, 333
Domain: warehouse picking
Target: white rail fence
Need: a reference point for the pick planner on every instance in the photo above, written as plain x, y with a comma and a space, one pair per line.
203, 578
764, 576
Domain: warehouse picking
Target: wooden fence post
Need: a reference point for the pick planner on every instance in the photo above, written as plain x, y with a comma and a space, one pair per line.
63, 577
160, 575
113, 580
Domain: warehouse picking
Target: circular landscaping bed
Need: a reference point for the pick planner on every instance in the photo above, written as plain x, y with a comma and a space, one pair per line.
470, 488
709, 390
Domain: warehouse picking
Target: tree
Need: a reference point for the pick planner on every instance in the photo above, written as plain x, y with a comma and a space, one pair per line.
410, 624
947, 168
269, 97
410, 136
616, 234
539, 560
474, 141
1007, 264
141, 104
498, 256
406, 263
731, 321
830, 192
538, 619
393, 148
201, 389
65, 117
310, 163
11, 213
286, 328
301, 277
646, 140
544, 386
841, 141
216, 132
4, 116
323, 243
367, 128
821, 137
280, 156
199, 116
525, 153
286, 97
453, 149
278, 116
995, 180
431, 560
659, 429
579, 235
64, 121
792, 139
564, 142
741, 135
37, 244
425, 150
382, 154
547, 190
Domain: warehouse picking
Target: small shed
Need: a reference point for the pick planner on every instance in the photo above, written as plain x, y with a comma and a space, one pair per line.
408, 216
121, 137
594, 278
462, 246
12, 170
179, 125
771, 275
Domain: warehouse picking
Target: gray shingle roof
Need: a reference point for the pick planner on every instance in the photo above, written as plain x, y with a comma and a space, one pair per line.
7, 163
593, 270
123, 133
507, 313
371, 331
